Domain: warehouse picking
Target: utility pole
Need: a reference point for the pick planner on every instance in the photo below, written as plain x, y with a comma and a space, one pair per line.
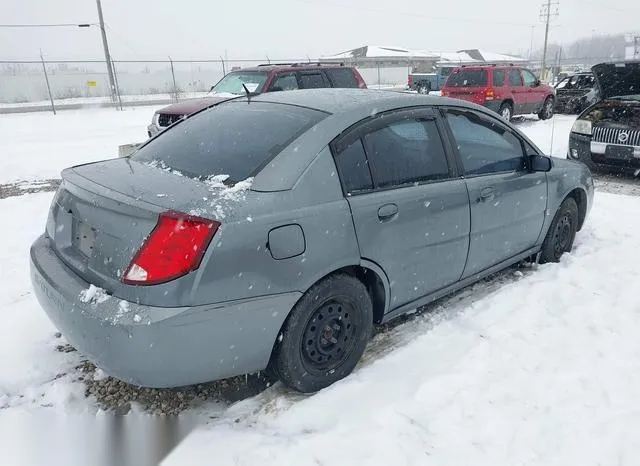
107, 55
548, 10
533, 28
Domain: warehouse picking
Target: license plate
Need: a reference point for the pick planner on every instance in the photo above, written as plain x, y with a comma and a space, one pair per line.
84, 237
619, 152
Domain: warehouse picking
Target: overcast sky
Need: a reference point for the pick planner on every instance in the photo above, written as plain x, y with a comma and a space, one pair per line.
191, 29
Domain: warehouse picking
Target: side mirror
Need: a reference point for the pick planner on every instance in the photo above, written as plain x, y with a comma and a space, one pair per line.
540, 163
537, 83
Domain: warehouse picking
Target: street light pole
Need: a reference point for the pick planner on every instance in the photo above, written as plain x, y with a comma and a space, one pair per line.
107, 55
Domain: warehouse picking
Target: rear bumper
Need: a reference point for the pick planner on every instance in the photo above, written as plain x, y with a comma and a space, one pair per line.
593, 154
154, 346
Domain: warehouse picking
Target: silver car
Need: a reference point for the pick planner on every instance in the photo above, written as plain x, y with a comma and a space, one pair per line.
275, 231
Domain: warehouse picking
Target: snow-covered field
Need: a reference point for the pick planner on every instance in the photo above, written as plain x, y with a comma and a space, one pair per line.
39, 145
89, 101
537, 366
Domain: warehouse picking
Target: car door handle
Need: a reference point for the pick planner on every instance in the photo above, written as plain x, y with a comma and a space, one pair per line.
387, 212
487, 194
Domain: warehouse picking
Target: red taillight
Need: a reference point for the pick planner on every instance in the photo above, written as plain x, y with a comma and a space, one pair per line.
359, 80
410, 81
489, 94
174, 248
443, 92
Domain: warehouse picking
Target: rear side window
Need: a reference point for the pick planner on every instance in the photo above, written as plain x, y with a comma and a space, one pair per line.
341, 77
514, 78
313, 81
406, 151
235, 138
466, 78
498, 78
353, 168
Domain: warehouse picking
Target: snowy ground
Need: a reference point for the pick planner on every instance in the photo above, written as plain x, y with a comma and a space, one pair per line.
39, 145
89, 101
534, 366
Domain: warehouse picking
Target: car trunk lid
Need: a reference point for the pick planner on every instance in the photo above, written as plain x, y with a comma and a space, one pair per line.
103, 212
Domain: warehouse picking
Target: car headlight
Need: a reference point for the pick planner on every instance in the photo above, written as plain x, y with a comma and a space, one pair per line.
582, 127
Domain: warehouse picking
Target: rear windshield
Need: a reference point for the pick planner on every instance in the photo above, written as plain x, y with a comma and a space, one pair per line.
232, 83
236, 139
468, 78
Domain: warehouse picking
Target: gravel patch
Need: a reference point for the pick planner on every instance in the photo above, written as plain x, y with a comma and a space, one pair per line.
28, 187
617, 184
118, 397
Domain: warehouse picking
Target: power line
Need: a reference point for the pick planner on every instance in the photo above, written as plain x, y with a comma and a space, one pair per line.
59, 25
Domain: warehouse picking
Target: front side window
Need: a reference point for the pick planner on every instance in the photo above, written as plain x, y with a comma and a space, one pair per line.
529, 78
484, 146
514, 78
406, 151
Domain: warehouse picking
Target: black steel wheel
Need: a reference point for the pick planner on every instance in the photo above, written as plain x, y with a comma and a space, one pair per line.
329, 337
325, 334
561, 233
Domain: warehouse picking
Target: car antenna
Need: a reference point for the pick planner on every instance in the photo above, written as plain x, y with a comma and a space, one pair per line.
248, 92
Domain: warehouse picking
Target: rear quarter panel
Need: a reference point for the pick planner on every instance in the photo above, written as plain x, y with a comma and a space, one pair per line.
239, 264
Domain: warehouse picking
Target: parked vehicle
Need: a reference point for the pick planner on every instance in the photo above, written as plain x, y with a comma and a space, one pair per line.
607, 134
279, 239
575, 93
263, 78
507, 90
424, 83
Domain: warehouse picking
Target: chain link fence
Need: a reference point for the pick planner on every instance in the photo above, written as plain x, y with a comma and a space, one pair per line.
73, 84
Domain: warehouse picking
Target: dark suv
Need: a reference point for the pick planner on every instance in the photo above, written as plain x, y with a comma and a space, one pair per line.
506, 89
259, 79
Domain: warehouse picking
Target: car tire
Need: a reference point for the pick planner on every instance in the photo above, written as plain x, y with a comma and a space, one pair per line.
561, 233
325, 334
546, 112
506, 111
